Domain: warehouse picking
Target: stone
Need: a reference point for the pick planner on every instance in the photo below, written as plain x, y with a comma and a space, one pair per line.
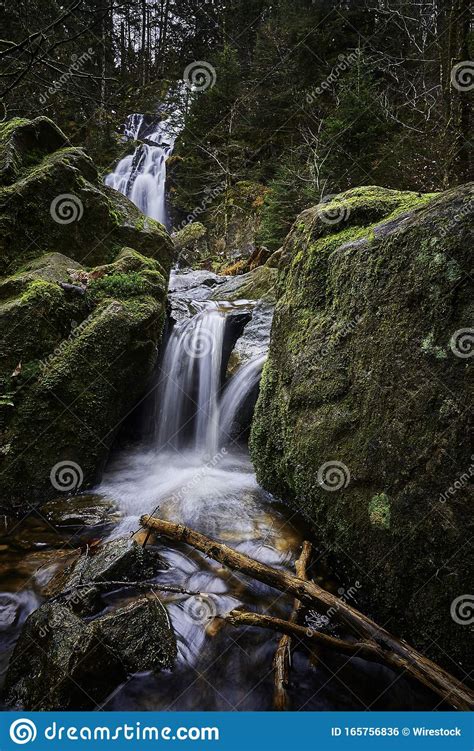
362, 421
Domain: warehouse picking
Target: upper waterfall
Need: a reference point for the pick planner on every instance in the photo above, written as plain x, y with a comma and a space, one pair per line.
141, 176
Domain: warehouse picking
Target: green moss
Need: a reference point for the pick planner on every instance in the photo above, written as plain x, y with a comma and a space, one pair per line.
119, 285
379, 511
360, 308
429, 348
43, 292
73, 365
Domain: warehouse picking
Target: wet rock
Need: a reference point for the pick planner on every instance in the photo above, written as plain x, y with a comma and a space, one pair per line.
81, 511
62, 662
117, 560
140, 635
254, 285
255, 337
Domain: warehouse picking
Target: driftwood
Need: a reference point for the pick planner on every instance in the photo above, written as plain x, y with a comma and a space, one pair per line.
282, 659
375, 639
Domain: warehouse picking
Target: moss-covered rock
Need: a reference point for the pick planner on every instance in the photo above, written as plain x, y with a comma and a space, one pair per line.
62, 662
255, 285
51, 201
362, 419
190, 244
82, 306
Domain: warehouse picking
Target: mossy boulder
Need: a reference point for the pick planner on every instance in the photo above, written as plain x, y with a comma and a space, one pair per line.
255, 285
63, 662
190, 244
362, 419
51, 200
82, 306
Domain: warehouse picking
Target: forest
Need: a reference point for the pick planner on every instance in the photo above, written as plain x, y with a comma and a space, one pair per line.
236, 338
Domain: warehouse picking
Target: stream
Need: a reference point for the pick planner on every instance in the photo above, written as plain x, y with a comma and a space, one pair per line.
192, 466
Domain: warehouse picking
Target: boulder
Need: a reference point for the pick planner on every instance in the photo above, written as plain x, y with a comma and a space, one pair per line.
72, 366
255, 285
61, 662
190, 245
121, 559
362, 419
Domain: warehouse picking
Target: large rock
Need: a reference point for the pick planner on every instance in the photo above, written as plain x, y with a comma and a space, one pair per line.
362, 419
82, 306
61, 662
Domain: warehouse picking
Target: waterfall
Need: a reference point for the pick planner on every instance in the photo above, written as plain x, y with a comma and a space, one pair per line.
236, 394
191, 411
190, 382
141, 176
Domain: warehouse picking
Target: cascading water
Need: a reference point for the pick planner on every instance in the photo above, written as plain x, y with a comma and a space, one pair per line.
141, 176
240, 387
188, 398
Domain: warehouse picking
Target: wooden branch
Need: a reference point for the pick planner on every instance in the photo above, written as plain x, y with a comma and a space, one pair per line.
397, 653
364, 649
127, 584
282, 659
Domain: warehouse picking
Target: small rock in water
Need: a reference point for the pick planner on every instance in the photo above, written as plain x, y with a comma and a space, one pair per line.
81, 511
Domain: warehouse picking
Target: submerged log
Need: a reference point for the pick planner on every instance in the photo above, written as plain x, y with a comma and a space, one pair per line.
390, 650
282, 659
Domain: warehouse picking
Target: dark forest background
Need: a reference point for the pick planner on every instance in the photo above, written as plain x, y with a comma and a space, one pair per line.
310, 97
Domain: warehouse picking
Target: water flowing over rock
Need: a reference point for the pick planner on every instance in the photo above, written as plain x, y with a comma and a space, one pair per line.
141, 176
361, 422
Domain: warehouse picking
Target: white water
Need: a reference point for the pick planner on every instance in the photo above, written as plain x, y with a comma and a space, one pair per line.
238, 390
188, 397
141, 176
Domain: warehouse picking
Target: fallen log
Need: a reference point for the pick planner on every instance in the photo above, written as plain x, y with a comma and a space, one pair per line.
396, 652
282, 659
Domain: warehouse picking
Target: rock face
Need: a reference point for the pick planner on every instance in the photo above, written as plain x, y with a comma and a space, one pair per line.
362, 419
82, 305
